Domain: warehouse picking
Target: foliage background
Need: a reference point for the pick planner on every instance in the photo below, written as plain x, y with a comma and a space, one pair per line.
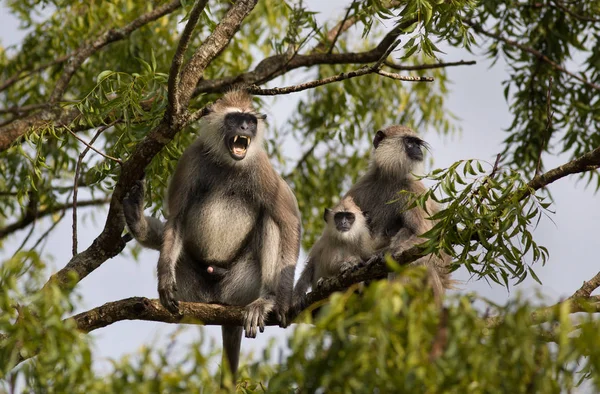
475, 97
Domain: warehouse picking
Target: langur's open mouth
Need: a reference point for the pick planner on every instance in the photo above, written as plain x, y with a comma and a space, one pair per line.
238, 146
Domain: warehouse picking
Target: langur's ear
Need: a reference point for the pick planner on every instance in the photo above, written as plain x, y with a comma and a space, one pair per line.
207, 110
326, 214
261, 116
379, 136
367, 219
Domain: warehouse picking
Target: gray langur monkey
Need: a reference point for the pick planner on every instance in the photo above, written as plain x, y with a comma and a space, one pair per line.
345, 242
232, 234
397, 156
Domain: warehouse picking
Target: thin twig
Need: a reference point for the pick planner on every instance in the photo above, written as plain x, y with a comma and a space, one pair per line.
496, 165
399, 67
546, 135
254, 89
94, 149
27, 237
28, 219
406, 78
532, 51
341, 26
76, 179
175, 72
302, 160
575, 15
387, 53
21, 110
24, 73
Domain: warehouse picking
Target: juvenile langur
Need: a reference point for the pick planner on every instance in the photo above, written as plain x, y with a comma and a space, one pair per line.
397, 156
345, 242
232, 233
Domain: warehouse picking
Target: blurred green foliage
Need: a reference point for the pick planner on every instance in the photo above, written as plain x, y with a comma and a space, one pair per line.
392, 337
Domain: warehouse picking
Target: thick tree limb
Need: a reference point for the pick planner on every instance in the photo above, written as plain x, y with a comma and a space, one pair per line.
377, 268
49, 115
175, 73
140, 308
212, 47
30, 217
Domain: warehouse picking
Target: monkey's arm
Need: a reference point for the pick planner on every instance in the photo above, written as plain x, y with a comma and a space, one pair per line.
286, 216
172, 239
145, 229
305, 280
169, 254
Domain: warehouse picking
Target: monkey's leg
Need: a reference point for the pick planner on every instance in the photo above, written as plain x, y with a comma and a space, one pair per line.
255, 315
242, 286
169, 255
232, 339
145, 229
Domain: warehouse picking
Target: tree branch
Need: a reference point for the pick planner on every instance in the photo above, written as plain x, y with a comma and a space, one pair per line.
89, 146
30, 218
400, 67
583, 18
587, 288
586, 162
212, 47
77, 180
339, 28
336, 78
276, 65
24, 73
175, 73
532, 51
140, 308
48, 115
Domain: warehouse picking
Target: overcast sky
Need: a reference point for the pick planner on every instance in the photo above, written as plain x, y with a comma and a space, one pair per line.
476, 98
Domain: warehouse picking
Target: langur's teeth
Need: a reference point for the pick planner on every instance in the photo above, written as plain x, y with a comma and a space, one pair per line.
248, 140
235, 138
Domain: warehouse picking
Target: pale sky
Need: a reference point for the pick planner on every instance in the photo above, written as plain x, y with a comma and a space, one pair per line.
476, 98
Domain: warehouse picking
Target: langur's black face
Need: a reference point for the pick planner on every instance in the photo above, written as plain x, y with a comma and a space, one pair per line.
240, 130
413, 146
343, 221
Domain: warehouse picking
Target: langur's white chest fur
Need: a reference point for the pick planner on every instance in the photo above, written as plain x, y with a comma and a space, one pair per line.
219, 227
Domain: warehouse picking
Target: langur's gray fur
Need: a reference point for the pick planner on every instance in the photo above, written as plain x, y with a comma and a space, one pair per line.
397, 156
232, 234
345, 242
